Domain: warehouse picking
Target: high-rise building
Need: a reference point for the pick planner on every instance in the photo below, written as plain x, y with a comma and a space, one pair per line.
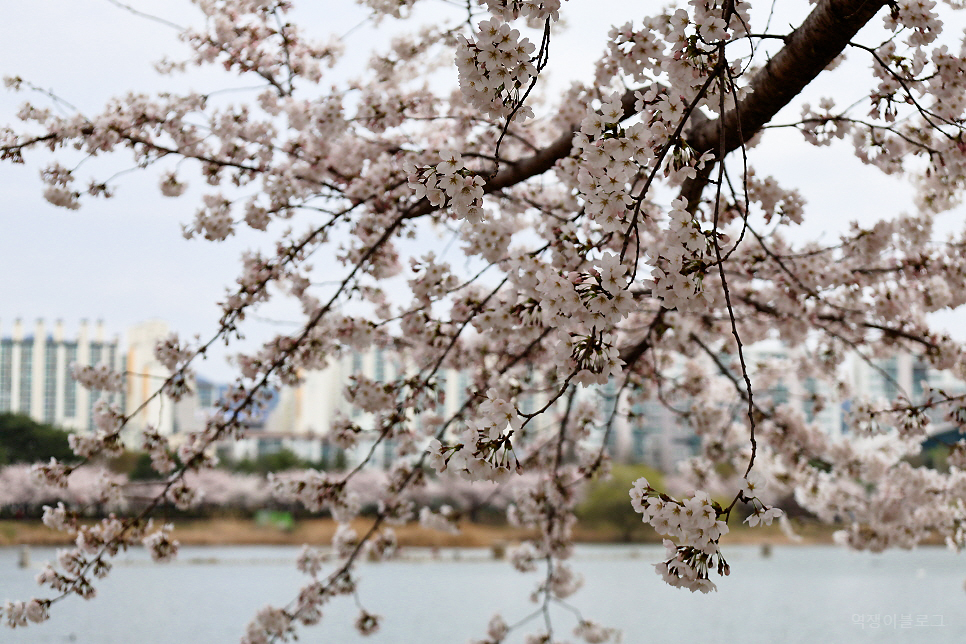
906, 377
144, 375
35, 373
309, 410
818, 401
36, 379
304, 414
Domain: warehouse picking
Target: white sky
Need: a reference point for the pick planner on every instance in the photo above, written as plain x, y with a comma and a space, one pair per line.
124, 260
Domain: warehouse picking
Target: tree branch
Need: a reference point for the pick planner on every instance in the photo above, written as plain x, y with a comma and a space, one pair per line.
808, 50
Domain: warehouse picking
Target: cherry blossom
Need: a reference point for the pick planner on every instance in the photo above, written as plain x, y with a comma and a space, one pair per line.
616, 244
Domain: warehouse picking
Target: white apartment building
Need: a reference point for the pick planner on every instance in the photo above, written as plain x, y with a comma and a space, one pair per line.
144, 375
645, 432
35, 376
905, 375
35, 379
648, 432
800, 393
304, 415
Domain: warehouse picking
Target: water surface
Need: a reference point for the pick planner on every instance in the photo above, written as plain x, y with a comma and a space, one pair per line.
806, 594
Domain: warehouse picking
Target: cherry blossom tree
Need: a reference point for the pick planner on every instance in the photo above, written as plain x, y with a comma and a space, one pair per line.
618, 234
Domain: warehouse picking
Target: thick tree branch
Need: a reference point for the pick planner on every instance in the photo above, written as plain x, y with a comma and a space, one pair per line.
631, 354
519, 170
808, 50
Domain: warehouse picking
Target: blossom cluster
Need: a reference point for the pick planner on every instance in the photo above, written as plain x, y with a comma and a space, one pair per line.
97, 378
531, 10
687, 254
161, 545
484, 450
610, 157
495, 69
449, 184
18, 613
695, 523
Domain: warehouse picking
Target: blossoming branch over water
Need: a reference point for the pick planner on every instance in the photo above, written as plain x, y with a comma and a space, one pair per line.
620, 244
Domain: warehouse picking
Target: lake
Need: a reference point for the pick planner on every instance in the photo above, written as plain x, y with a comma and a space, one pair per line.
807, 594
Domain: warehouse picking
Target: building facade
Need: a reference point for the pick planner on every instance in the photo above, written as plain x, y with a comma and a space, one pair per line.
35, 373
906, 376
144, 374
304, 415
36, 379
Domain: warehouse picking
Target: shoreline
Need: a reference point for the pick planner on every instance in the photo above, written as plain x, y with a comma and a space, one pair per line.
318, 531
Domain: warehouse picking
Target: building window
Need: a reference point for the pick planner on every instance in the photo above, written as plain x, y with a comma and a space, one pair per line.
441, 387
380, 375
269, 446
26, 373
97, 351
388, 448
779, 395
206, 398
462, 384
70, 385
920, 373
608, 396
811, 391
6, 374
639, 445
50, 381
890, 376
120, 398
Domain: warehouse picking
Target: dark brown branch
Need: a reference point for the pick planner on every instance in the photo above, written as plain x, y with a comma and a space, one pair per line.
808, 50
632, 354
531, 166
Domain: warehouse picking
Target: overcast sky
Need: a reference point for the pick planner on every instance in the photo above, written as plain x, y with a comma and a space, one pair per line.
124, 260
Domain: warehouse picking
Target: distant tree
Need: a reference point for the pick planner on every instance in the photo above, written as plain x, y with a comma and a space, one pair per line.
23, 440
142, 470
604, 504
280, 461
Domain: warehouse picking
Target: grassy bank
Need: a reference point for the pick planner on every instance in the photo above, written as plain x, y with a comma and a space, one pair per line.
225, 531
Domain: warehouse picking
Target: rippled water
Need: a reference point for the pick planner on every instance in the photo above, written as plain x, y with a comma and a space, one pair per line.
798, 594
